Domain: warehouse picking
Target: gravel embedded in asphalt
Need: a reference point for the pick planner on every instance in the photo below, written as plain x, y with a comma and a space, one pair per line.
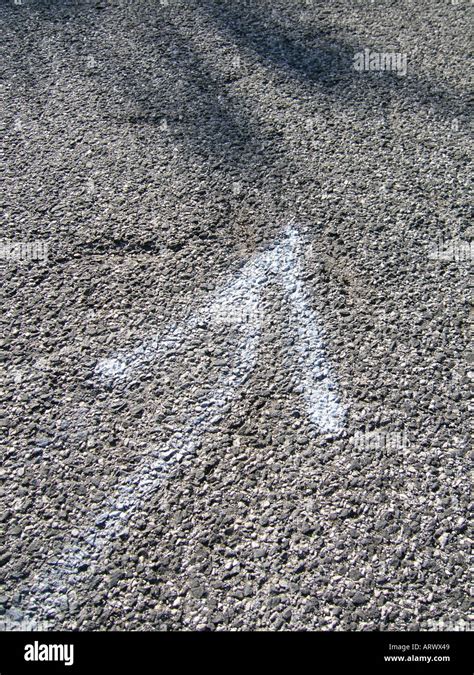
237, 370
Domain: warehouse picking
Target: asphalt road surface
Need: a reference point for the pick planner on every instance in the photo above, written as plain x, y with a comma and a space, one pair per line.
235, 265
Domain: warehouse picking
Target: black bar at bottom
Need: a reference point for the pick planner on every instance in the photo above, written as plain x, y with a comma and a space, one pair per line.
63, 652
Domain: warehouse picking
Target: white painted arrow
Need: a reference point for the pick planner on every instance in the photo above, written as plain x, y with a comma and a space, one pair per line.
240, 298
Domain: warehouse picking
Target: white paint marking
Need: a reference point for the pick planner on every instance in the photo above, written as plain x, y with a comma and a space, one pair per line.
281, 263
244, 295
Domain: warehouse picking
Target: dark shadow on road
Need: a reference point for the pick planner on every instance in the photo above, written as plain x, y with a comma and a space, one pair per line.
164, 75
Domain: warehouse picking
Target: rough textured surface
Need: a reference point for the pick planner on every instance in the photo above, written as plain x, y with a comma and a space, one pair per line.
159, 148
